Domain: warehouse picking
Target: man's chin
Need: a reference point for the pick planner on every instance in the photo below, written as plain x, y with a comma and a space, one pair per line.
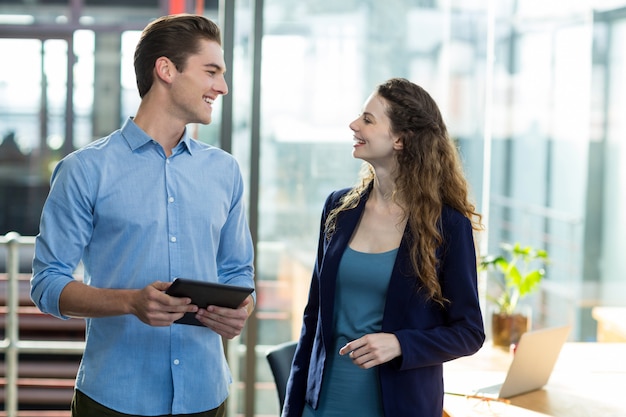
204, 121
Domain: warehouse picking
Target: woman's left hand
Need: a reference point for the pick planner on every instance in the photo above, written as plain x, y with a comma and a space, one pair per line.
372, 349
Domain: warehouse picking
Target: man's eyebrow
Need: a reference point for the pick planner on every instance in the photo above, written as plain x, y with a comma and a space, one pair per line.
216, 66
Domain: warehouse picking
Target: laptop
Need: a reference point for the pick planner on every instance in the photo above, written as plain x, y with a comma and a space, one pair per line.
532, 364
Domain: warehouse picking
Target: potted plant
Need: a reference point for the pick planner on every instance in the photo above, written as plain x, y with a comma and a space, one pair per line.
519, 273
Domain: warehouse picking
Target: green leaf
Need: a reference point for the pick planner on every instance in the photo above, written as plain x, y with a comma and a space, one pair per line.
514, 274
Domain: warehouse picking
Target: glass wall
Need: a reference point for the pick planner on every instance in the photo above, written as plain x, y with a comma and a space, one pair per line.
19, 133
607, 148
554, 172
527, 116
540, 146
320, 61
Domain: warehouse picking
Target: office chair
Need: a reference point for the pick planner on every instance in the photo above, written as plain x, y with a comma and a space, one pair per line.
280, 358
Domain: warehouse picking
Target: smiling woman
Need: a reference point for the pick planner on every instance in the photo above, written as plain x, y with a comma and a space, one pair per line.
396, 266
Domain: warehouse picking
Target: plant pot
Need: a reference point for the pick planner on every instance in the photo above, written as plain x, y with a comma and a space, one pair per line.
506, 329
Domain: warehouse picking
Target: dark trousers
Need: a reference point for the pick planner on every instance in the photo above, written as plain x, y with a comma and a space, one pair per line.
83, 406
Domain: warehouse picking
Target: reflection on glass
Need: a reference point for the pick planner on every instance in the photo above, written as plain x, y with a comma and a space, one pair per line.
32, 128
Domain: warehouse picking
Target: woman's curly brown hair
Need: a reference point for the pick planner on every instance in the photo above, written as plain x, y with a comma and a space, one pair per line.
429, 175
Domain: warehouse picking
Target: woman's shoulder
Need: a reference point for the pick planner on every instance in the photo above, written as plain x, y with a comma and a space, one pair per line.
333, 200
452, 217
336, 195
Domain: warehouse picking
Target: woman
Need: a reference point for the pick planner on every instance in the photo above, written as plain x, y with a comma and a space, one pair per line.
394, 288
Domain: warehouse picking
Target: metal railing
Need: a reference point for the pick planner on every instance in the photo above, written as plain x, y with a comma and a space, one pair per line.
11, 345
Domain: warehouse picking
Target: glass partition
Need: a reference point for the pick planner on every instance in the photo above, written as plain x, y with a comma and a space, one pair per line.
320, 61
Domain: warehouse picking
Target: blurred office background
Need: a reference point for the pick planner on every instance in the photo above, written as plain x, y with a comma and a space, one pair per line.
533, 92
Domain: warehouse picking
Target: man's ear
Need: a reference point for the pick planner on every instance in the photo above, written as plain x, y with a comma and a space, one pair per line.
164, 69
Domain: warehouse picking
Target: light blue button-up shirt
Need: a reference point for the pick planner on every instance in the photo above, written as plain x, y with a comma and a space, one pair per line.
135, 216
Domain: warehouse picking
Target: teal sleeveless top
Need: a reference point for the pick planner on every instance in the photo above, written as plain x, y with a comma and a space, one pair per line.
347, 390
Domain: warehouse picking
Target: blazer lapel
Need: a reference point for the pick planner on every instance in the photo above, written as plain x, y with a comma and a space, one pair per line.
346, 223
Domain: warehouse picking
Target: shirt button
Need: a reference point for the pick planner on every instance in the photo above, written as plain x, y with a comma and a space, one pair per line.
167, 161
173, 239
171, 199
176, 361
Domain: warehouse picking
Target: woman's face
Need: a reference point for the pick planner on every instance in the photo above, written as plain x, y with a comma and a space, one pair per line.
373, 140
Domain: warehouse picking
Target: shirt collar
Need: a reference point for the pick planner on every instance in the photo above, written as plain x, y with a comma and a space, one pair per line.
136, 137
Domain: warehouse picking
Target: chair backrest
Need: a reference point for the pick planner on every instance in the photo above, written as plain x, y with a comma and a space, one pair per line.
280, 358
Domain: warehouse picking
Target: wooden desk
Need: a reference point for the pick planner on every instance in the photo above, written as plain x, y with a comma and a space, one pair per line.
589, 380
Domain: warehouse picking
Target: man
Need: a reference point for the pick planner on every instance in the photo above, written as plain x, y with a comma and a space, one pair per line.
141, 207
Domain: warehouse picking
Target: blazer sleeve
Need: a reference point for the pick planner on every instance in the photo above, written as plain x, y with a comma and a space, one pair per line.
432, 334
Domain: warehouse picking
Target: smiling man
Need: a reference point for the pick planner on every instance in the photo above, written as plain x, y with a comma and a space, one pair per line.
139, 208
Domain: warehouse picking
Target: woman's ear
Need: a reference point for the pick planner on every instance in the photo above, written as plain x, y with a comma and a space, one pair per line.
398, 143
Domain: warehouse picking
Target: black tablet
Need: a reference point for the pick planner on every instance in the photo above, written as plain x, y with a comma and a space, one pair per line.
204, 294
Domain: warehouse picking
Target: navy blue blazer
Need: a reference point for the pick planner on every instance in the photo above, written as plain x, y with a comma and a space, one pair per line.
429, 335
